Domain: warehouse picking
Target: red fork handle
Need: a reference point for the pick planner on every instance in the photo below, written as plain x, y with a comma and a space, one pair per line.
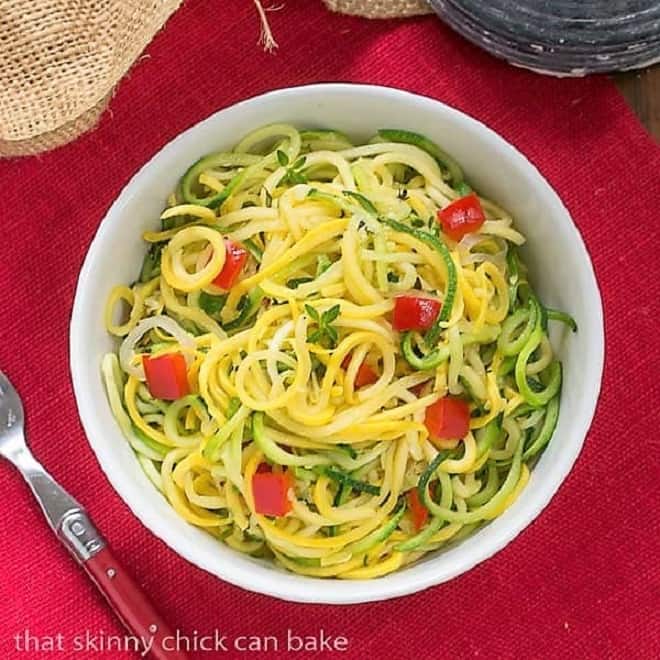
77, 533
132, 606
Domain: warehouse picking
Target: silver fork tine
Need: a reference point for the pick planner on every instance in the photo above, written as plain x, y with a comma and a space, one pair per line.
11, 419
55, 502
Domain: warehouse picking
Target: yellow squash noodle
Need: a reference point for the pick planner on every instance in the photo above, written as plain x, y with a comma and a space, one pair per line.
172, 264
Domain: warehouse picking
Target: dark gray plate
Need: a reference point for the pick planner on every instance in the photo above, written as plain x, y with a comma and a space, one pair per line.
565, 37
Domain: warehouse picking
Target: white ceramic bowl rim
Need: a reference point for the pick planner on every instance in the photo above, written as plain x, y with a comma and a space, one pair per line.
216, 558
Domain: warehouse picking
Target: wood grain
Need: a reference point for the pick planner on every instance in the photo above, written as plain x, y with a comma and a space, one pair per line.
642, 91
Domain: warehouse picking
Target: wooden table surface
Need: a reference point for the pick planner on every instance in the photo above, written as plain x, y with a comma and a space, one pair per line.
642, 91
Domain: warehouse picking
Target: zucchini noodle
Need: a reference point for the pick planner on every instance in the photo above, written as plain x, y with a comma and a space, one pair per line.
275, 365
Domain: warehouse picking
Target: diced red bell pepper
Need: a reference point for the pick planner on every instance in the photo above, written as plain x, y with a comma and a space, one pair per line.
270, 491
167, 376
235, 257
415, 312
418, 512
448, 418
365, 374
463, 216
417, 389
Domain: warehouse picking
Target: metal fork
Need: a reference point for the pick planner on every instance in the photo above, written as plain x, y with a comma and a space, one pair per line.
76, 532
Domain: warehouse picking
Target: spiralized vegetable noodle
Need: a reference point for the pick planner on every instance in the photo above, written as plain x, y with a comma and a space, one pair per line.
312, 320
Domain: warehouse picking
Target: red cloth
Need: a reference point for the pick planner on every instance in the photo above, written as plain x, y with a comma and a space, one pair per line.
581, 582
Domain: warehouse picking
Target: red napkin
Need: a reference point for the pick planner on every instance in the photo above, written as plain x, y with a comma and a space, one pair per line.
581, 582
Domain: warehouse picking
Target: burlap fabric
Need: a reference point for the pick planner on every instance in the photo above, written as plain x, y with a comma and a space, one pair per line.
380, 8
60, 60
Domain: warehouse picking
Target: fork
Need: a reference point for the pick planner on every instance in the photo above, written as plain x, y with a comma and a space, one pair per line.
76, 532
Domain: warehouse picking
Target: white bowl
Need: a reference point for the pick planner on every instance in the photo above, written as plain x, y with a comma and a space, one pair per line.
560, 269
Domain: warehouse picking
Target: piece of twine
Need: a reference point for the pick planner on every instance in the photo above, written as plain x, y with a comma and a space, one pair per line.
60, 60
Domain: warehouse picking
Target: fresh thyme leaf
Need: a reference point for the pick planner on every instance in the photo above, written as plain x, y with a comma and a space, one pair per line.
312, 312
299, 163
295, 177
282, 158
331, 314
331, 333
325, 334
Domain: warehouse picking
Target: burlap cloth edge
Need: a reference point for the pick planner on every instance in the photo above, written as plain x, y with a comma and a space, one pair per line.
380, 8
53, 97
82, 119
57, 137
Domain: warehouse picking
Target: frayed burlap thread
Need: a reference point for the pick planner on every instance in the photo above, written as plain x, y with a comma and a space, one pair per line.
380, 8
60, 61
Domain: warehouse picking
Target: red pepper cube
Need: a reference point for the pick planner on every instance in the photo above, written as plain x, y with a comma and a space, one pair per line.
415, 312
270, 492
365, 374
167, 376
448, 419
463, 216
419, 388
418, 512
235, 257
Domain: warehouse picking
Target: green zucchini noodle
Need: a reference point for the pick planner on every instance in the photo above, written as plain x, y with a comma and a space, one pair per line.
333, 233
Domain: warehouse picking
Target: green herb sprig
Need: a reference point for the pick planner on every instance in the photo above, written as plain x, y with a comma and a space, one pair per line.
325, 334
294, 173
